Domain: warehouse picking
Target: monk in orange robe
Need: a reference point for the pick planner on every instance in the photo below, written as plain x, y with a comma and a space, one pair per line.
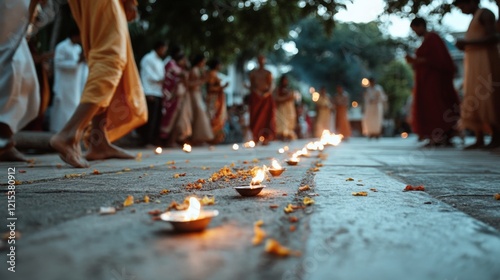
113, 99
436, 108
262, 106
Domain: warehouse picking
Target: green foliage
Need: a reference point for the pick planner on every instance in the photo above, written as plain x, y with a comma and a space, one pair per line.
397, 81
225, 28
354, 51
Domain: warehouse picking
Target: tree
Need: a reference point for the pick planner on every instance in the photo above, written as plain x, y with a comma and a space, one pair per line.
354, 51
397, 81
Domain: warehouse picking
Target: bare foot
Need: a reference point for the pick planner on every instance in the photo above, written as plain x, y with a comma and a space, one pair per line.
12, 154
68, 152
107, 152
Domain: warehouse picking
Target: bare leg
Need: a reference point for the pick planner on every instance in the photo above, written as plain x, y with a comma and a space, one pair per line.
67, 141
100, 147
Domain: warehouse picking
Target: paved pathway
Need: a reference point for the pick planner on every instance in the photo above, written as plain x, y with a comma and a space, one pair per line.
388, 234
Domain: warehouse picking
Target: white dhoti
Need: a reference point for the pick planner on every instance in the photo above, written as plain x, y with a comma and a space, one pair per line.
19, 96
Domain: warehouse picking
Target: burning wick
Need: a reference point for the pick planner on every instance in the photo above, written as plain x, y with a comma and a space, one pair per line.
281, 150
236, 147
275, 165
186, 148
259, 177
158, 151
295, 157
193, 211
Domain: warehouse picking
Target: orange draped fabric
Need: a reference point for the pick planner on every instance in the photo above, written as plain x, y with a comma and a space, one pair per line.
262, 116
113, 80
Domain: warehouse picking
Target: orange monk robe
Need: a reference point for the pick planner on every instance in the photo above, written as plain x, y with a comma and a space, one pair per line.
262, 116
113, 80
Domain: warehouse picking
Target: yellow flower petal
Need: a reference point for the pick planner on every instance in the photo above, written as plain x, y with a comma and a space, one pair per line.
308, 201
128, 201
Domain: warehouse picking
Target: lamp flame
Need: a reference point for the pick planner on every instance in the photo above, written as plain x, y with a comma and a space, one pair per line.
259, 177
275, 164
311, 146
249, 144
186, 148
236, 147
158, 150
193, 211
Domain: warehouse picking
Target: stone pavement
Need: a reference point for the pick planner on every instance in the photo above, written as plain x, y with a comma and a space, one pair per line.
450, 231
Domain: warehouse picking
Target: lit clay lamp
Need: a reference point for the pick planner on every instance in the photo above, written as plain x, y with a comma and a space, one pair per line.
190, 220
294, 160
276, 168
255, 185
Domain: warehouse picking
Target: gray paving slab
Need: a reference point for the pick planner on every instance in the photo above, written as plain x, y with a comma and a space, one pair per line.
389, 234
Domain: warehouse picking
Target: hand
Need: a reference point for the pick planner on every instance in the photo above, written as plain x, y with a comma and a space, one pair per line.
130, 9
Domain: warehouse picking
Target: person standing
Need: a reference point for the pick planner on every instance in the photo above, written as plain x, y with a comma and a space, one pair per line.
113, 98
68, 74
374, 100
435, 102
286, 116
341, 104
216, 101
202, 131
177, 115
323, 113
19, 89
262, 106
152, 77
480, 110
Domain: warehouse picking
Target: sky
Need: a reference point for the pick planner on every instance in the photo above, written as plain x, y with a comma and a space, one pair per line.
368, 10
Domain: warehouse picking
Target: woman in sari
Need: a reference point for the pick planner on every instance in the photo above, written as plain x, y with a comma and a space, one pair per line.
176, 112
216, 101
323, 113
286, 116
202, 131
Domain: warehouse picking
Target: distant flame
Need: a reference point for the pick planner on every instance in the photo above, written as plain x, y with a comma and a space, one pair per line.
311, 146
158, 150
328, 138
281, 151
295, 157
186, 148
319, 146
275, 164
262, 139
249, 144
236, 147
315, 96
336, 139
193, 211
404, 135
304, 152
259, 177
